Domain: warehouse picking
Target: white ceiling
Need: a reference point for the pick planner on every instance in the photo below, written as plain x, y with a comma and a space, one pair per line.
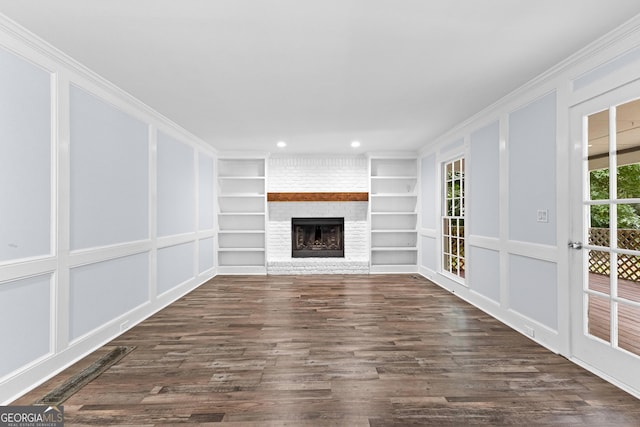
393, 74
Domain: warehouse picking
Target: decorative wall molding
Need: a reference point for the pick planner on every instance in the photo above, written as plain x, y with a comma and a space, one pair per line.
24, 43
56, 268
602, 50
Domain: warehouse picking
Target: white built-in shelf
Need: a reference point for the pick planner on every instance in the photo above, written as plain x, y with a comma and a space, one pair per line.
393, 195
244, 249
393, 249
394, 230
393, 209
399, 212
242, 168
259, 214
246, 196
395, 213
241, 215
241, 177
408, 177
241, 232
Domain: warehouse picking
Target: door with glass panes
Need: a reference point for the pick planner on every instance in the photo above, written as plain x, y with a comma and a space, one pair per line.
605, 246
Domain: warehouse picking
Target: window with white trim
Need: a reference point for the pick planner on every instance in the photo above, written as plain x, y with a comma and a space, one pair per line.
453, 194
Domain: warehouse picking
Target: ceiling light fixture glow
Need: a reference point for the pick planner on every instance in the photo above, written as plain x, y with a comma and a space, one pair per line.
281, 144
355, 144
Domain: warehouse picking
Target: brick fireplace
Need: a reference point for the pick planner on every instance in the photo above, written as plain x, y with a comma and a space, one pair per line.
318, 175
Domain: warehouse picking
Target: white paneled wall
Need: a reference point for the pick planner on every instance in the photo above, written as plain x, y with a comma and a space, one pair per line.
206, 195
206, 253
25, 139
103, 291
176, 187
105, 139
484, 272
107, 211
430, 193
510, 163
484, 182
533, 289
518, 212
532, 171
175, 265
25, 321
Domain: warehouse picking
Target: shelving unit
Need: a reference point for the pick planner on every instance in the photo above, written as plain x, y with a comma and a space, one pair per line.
241, 216
394, 216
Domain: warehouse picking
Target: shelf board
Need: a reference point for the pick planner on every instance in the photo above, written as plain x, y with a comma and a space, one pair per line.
394, 195
394, 249
394, 230
241, 214
241, 249
393, 268
241, 177
242, 269
240, 195
241, 232
318, 197
393, 177
393, 213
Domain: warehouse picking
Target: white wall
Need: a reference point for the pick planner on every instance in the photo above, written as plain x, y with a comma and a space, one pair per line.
517, 163
107, 211
531, 148
511, 268
318, 174
105, 139
25, 138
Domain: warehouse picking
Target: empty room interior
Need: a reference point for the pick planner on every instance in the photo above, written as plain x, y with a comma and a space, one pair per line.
321, 213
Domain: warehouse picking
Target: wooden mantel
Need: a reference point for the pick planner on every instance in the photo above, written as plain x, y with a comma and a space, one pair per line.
317, 197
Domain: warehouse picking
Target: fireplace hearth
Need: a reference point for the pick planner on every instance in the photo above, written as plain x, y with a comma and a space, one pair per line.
317, 237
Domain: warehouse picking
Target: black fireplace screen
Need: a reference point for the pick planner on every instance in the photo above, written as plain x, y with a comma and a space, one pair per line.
317, 237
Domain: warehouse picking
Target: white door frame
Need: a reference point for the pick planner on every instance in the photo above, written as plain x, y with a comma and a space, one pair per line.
616, 366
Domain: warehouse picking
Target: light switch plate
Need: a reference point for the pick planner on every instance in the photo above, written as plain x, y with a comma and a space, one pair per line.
543, 215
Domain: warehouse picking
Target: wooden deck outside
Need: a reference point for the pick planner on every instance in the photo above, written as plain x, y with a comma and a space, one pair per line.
355, 350
628, 318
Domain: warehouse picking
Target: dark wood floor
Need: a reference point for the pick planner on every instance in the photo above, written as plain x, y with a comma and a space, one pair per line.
336, 351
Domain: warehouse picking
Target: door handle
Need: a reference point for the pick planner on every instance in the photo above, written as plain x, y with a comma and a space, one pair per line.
575, 245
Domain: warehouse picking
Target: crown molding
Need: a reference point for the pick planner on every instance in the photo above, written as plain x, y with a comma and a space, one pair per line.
607, 47
23, 38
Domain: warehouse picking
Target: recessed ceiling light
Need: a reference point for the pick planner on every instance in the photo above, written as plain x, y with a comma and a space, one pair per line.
281, 144
355, 144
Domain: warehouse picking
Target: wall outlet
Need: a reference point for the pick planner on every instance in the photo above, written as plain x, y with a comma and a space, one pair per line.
543, 215
529, 331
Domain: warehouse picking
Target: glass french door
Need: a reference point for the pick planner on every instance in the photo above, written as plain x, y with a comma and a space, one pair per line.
605, 255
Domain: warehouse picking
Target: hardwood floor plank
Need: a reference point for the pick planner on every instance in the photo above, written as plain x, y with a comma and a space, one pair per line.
362, 350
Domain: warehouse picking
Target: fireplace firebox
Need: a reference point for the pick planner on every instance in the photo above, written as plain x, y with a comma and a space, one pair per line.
317, 237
